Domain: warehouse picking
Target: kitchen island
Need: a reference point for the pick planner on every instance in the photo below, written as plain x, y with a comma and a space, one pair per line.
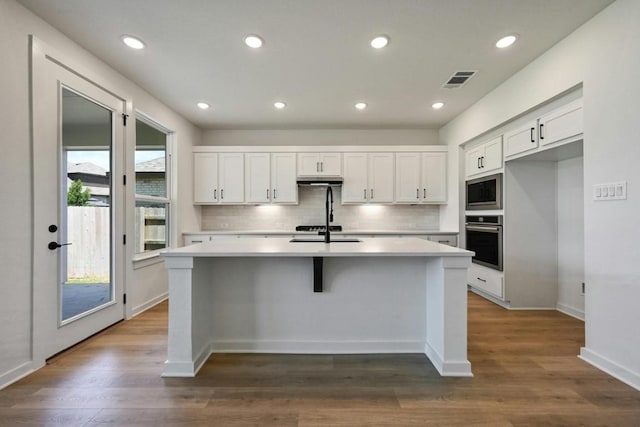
392, 295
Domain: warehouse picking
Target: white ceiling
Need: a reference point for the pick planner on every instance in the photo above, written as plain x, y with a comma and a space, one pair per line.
316, 55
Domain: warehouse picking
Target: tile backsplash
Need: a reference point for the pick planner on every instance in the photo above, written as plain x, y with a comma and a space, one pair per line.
310, 210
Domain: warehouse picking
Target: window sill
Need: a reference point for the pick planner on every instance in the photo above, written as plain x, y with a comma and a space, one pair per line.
146, 260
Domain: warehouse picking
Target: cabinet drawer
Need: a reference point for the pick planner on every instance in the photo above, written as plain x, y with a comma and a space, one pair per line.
486, 279
195, 239
445, 239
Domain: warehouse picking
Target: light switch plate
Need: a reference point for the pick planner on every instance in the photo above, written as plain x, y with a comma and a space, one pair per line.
610, 191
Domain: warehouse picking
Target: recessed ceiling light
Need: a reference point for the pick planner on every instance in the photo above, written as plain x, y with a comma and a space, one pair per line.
203, 105
437, 105
279, 105
380, 42
506, 41
361, 105
253, 41
133, 42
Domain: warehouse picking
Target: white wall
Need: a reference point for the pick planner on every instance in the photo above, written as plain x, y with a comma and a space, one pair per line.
16, 23
604, 55
570, 192
321, 137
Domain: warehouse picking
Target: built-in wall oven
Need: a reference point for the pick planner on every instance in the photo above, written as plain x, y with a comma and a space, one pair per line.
484, 237
484, 193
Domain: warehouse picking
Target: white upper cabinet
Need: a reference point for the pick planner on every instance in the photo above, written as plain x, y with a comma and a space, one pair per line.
563, 123
521, 139
218, 178
270, 178
356, 184
484, 158
434, 177
319, 164
231, 177
408, 177
284, 188
205, 178
421, 177
257, 177
381, 177
368, 177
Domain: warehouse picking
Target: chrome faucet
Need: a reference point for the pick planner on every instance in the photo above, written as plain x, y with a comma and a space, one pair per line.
328, 211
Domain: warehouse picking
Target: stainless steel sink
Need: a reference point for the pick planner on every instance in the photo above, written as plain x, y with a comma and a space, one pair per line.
316, 240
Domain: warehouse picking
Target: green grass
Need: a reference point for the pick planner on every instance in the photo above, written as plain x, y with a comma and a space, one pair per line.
85, 280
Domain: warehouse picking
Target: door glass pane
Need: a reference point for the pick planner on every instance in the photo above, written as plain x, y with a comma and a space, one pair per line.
86, 206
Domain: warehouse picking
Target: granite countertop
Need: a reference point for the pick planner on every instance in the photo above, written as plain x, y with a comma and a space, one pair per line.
283, 247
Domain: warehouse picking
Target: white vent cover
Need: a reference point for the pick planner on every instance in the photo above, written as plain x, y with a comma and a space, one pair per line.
458, 79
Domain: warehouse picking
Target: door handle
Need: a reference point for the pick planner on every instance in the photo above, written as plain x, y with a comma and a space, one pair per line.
479, 165
215, 194
532, 140
274, 194
222, 193
417, 193
424, 193
371, 193
267, 194
540, 132
55, 245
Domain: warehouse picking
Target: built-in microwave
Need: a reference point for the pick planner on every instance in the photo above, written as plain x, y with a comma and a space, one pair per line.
484, 193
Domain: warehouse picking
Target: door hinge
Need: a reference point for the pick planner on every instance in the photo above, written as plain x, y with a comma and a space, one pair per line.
124, 179
124, 119
124, 239
124, 298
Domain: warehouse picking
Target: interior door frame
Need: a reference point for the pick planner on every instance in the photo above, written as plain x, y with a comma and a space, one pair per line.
42, 57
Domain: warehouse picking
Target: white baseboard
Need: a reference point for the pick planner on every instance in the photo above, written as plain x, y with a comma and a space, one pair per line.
570, 311
617, 371
316, 347
17, 373
187, 368
490, 297
448, 369
148, 304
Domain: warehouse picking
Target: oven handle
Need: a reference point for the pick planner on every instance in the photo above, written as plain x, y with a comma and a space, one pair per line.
483, 228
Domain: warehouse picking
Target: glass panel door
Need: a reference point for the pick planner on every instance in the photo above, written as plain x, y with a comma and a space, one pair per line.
86, 183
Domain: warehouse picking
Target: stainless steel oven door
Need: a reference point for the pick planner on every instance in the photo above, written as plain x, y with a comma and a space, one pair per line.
486, 242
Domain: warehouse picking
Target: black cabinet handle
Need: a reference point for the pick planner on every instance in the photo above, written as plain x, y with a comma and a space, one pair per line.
372, 193
55, 245
424, 193
541, 136
417, 193
482, 280
222, 193
274, 194
479, 165
532, 129
215, 194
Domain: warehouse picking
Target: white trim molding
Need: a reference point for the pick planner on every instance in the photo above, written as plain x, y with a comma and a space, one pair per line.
610, 367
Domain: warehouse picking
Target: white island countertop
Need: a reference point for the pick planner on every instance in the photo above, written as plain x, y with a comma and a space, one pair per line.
283, 247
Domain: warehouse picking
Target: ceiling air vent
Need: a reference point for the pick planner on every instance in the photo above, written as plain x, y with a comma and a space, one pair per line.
458, 79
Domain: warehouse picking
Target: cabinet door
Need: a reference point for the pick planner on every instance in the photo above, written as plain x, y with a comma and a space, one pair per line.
521, 140
381, 177
257, 177
563, 123
472, 160
355, 188
205, 178
284, 188
407, 178
231, 178
434, 178
492, 157
308, 164
330, 164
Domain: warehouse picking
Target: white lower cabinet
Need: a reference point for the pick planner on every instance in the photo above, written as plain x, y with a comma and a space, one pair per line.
445, 239
487, 280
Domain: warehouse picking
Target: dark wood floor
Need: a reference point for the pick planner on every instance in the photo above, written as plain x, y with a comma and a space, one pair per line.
525, 366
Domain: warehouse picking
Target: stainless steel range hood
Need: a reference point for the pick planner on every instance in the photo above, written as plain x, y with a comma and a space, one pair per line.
320, 180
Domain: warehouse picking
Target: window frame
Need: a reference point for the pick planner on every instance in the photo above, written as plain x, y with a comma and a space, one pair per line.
168, 200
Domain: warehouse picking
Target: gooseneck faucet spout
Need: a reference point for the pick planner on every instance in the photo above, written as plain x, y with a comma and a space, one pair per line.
328, 210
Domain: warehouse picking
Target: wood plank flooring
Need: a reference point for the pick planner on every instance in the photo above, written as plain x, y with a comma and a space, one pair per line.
524, 362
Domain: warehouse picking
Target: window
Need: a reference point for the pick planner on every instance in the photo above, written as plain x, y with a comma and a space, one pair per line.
153, 201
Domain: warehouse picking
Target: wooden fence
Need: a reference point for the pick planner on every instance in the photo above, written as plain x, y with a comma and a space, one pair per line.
88, 231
